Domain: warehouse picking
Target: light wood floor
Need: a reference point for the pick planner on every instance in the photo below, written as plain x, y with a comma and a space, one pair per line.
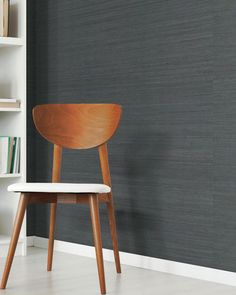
75, 275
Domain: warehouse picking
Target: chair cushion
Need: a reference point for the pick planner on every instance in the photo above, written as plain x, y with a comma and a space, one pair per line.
59, 187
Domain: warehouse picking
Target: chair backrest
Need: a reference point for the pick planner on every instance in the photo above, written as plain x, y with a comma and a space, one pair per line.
78, 126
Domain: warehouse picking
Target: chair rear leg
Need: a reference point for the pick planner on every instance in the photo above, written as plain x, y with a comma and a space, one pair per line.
14, 238
53, 209
112, 222
94, 209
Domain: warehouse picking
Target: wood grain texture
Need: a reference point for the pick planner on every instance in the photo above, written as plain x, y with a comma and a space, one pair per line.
94, 210
56, 177
23, 201
104, 162
77, 126
171, 65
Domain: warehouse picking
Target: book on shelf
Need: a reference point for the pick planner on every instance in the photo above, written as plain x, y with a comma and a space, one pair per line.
9, 102
4, 18
9, 154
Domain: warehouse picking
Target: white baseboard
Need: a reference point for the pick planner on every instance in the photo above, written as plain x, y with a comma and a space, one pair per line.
157, 264
30, 241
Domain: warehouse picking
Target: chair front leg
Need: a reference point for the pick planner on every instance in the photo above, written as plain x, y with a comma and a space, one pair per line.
53, 210
14, 238
94, 209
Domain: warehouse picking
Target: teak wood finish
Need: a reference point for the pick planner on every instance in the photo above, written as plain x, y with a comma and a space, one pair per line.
75, 126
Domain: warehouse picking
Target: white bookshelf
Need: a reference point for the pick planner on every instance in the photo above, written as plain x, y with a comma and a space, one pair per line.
13, 120
10, 109
12, 175
10, 41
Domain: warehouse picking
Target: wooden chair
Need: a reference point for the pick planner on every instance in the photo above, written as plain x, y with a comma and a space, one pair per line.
74, 126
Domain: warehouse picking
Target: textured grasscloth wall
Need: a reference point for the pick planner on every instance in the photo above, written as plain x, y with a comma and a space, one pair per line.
172, 65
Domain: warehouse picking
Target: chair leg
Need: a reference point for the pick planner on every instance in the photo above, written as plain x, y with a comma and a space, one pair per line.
14, 238
53, 209
94, 209
112, 222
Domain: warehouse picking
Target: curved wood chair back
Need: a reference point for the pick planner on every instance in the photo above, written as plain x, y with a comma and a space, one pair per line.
77, 126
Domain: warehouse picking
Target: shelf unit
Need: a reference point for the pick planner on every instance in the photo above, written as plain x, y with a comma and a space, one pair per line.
10, 41
13, 120
12, 175
10, 109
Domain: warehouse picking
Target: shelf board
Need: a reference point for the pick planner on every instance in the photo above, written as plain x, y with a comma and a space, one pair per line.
10, 109
10, 41
10, 175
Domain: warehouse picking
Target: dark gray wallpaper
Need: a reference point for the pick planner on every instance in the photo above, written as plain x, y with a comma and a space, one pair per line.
172, 66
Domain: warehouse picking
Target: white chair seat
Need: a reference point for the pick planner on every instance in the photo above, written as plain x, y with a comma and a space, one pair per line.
59, 188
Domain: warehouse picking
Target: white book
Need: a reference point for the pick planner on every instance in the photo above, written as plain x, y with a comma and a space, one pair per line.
17, 157
7, 99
